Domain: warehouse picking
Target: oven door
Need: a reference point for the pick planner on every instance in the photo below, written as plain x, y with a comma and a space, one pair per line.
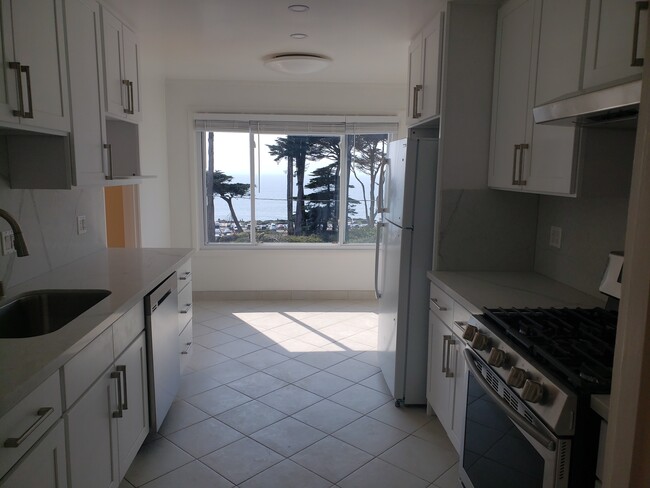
506, 445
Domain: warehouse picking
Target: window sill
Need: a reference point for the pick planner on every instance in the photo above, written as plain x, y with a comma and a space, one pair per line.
287, 247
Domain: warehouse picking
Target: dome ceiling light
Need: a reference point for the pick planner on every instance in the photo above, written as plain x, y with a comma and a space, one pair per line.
297, 63
298, 7
299, 35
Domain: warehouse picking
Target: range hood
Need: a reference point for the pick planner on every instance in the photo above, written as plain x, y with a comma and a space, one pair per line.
616, 103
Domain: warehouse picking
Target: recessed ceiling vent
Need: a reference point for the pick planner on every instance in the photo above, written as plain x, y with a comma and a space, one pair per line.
297, 63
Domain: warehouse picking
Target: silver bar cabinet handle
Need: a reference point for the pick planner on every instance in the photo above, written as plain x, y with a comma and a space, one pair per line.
21, 101
120, 406
109, 150
127, 110
450, 342
188, 307
43, 413
132, 97
515, 181
437, 305
185, 275
125, 403
636, 60
187, 348
416, 91
521, 164
28, 78
445, 339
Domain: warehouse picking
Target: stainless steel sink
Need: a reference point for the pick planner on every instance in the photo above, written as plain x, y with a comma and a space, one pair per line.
40, 312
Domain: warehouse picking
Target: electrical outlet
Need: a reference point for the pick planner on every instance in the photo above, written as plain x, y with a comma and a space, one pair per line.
7, 242
556, 237
81, 224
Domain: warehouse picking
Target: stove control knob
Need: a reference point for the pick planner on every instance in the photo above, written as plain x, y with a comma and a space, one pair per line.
470, 332
533, 391
480, 342
517, 377
497, 357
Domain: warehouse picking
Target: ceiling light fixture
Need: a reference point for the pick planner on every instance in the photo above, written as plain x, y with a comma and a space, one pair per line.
298, 7
297, 63
299, 35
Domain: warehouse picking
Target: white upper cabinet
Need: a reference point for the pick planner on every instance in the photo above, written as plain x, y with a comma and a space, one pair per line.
525, 156
559, 65
83, 36
611, 44
120, 69
34, 81
425, 61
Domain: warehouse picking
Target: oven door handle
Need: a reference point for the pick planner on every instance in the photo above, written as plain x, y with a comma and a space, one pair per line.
541, 437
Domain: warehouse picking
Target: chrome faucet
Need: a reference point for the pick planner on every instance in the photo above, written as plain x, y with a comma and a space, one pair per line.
19, 240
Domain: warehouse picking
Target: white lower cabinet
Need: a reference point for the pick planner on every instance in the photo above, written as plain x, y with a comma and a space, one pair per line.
44, 465
447, 371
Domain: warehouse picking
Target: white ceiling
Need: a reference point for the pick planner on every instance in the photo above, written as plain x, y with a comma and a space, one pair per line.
228, 39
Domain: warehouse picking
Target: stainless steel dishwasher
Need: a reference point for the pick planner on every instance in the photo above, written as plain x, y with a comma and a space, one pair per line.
164, 371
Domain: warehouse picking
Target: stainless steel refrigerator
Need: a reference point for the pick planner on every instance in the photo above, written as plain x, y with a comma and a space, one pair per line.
404, 255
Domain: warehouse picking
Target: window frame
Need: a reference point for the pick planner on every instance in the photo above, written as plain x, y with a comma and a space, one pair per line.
200, 137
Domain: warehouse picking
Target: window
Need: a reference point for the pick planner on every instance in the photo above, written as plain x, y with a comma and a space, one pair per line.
275, 181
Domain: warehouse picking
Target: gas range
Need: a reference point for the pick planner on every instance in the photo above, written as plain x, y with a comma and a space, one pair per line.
552, 359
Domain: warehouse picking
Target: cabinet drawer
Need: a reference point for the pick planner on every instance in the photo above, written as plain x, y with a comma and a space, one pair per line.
29, 420
83, 369
185, 346
184, 306
184, 274
441, 305
127, 328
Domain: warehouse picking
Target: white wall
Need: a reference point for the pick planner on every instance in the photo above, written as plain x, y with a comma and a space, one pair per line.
257, 269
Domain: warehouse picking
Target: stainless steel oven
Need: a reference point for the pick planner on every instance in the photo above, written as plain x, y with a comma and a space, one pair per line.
506, 445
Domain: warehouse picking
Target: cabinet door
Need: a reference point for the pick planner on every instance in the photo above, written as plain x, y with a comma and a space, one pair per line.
610, 40
43, 466
115, 91
92, 437
39, 45
560, 49
131, 71
440, 385
432, 64
415, 81
8, 76
83, 29
133, 426
513, 89
549, 165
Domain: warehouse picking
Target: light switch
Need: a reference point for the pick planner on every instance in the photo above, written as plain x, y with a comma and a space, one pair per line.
7, 242
81, 224
556, 237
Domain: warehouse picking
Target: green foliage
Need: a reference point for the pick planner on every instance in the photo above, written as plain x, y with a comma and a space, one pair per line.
362, 235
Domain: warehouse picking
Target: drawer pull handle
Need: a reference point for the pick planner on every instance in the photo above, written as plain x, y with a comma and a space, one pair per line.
187, 348
43, 413
188, 307
120, 406
437, 305
185, 275
125, 403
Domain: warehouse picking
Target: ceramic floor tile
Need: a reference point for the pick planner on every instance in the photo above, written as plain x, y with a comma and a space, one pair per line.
369, 357
236, 348
324, 383
361, 398
125, 484
321, 360
228, 371
340, 331
155, 459
260, 339
288, 436
449, 479
201, 314
257, 384
214, 339
291, 370
222, 322
376, 382
408, 419
421, 458
194, 475
332, 459
251, 417
434, 432
218, 400
370, 435
293, 348
180, 415
203, 438
367, 337
327, 416
353, 370
268, 320
290, 399
380, 474
199, 329
316, 338
195, 383
240, 330
205, 358
241, 460
286, 474
262, 359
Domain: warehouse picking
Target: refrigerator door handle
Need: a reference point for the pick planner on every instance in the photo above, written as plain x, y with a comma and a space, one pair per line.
379, 227
382, 182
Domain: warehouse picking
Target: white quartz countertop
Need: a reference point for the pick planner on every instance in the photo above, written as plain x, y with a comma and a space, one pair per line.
129, 274
474, 290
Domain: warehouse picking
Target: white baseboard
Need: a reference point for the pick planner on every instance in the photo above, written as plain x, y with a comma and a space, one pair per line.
285, 295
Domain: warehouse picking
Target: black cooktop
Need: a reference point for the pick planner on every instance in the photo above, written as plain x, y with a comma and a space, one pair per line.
575, 344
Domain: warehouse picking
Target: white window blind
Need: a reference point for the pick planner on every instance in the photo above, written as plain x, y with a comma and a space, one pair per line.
297, 125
